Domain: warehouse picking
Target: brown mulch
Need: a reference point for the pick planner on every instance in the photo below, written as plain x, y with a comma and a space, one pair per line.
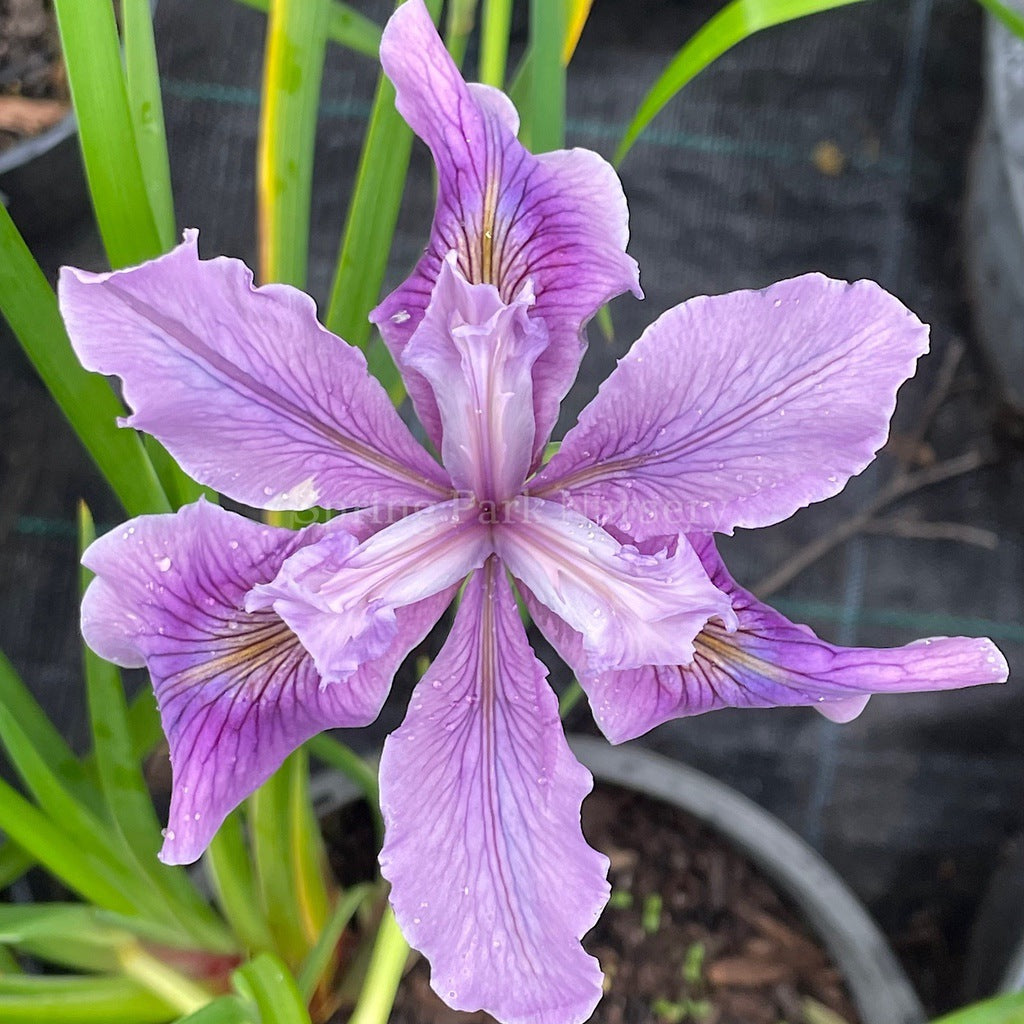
693, 934
33, 85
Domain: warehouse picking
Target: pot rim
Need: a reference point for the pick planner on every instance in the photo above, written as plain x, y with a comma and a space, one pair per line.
29, 149
878, 986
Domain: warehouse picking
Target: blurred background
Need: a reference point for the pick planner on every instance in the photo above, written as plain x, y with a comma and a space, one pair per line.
840, 143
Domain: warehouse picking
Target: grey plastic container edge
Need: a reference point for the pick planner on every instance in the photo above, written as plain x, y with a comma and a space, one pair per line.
880, 989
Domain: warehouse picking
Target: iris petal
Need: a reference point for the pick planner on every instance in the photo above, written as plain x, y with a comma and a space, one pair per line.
559, 219
490, 874
341, 597
767, 662
736, 410
243, 386
478, 354
631, 609
236, 690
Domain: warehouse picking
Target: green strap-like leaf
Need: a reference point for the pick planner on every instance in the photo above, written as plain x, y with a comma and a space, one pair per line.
14, 862
147, 114
1007, 1009
292, 71
63, 856
269, 822
290, 859
92, 56
544, 128
30, 307
33, 999
270, 985
345, 25
319, 960
306, 851
370, 229
494, 30
387, 962
223, 1010
229, 866
1010, 18
731, 25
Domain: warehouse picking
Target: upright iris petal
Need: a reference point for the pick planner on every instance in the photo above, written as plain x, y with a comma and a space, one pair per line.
558, 219
478, 353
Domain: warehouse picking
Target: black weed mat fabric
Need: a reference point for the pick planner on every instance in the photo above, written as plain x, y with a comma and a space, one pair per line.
836, 144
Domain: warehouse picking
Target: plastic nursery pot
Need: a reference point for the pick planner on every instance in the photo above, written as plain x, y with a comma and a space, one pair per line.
42, 179
995, 220
876, 984
42, 182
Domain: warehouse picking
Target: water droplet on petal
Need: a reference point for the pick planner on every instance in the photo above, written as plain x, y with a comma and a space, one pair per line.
163, 564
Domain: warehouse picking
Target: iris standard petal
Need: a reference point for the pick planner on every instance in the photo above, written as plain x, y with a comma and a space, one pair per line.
767, 662
736, 410
559, 219
490, 874
477, 352
247, 391
341, 597
631, 609
237, 692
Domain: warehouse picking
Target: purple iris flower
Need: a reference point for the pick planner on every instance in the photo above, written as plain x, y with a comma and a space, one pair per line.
734, 410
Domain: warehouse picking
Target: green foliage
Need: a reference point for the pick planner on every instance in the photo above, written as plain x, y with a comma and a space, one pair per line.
1013, 20
1005, 1009
106, 130
549, 22
370, 229
345, 25
292, 71
735, 22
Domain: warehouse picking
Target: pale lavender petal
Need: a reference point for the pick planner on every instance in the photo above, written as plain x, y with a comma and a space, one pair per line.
736, 410
341, 597
237, 693
558, 219
768, 662
632, 609
248, 392
490, 875
478, 354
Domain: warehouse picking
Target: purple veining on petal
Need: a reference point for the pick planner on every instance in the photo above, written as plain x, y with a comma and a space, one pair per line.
243, 386
558, 219
490, 874
477, 354
631, 609
767, 662
237, 692
341, 597
736, 410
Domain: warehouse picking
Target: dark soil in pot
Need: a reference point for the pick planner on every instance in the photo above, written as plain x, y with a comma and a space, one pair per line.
693, 934
33, 85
